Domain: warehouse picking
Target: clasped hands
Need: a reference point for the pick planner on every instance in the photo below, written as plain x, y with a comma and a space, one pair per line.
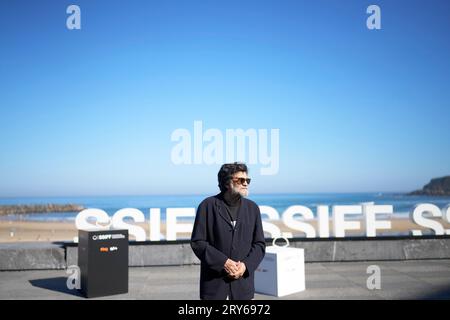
234, 269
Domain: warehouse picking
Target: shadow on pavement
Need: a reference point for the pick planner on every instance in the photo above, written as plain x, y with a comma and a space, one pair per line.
57, 284
441, 294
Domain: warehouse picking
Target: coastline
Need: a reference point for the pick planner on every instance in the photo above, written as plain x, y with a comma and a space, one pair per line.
20, 209
37, 231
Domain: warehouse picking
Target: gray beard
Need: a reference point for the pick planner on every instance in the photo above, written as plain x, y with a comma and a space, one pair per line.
234, 192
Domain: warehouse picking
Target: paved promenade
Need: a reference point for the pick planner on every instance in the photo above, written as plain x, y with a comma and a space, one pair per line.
414, 279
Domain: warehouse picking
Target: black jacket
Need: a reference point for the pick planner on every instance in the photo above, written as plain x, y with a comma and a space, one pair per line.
214, 241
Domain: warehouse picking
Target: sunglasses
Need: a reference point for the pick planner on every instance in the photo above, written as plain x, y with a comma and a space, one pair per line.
242, 180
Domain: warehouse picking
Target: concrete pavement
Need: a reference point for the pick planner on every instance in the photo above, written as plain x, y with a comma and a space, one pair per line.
411, 279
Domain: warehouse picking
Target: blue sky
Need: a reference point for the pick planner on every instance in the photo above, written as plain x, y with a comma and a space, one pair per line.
91, 111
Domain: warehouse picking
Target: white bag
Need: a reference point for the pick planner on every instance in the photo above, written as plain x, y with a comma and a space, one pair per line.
282, 271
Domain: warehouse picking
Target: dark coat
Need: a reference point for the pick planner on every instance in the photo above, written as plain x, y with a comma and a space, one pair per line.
214, 241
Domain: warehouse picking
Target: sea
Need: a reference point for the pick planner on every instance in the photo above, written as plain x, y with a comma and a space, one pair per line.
403, 204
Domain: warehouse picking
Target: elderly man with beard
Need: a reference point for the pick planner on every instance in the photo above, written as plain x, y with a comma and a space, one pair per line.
228, 238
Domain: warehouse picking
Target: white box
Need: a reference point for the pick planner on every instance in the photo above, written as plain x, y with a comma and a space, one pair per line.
281, 272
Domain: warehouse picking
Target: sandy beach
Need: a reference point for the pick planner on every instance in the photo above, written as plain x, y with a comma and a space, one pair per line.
25, 231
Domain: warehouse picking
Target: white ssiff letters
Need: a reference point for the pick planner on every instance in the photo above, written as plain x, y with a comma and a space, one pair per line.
179, 221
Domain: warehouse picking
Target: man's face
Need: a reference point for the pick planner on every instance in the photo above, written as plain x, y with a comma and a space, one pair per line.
239, 183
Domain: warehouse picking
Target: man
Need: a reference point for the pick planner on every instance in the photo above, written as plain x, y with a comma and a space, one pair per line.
228, 238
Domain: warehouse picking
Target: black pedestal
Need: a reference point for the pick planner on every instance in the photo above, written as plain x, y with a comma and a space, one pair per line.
103, 262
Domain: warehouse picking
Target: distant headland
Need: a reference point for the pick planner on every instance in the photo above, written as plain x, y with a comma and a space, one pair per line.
436, 187
39, 208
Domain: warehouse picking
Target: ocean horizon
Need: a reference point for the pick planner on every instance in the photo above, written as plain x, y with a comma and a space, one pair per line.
402, 203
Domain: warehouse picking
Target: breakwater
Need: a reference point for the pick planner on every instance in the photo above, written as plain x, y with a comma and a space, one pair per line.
39, 208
